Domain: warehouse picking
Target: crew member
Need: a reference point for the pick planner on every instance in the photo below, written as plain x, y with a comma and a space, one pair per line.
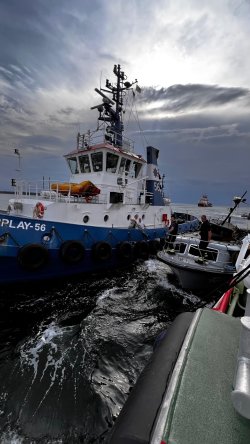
205, 235
173, 230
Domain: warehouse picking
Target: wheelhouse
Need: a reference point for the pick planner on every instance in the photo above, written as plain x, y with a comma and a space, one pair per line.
105, 160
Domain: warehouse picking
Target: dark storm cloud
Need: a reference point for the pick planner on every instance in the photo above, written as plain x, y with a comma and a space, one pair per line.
35, 43
184, 97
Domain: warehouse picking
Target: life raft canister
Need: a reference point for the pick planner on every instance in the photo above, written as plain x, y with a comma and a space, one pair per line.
72, 251
102, 251
39, 210
33, 256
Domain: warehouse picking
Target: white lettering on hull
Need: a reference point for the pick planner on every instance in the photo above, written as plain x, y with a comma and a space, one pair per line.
23, 225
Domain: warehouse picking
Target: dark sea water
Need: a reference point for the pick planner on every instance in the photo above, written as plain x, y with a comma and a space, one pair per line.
71, 351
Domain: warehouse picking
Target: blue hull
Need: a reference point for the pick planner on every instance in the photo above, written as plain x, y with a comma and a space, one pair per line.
37, 250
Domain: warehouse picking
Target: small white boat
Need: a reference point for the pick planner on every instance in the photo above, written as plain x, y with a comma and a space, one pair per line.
196, 269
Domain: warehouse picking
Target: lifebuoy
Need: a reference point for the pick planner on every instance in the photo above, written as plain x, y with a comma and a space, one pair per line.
141, 249
33, 256
39, 210
72, 251
154, 246
102, 251
125, 250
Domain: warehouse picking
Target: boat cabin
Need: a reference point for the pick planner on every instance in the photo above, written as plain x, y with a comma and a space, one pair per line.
215, 253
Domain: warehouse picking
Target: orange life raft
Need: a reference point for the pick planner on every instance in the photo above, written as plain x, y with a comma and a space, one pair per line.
86, 188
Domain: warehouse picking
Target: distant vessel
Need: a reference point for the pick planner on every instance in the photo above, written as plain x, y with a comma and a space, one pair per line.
167, 200
204, 202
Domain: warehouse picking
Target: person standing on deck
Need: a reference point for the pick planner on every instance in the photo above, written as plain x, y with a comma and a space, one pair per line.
205, 234
173, 230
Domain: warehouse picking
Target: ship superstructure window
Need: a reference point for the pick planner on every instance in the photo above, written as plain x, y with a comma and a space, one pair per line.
97, 161
122, 165
137, 168
73, 165
111, 162
84, 164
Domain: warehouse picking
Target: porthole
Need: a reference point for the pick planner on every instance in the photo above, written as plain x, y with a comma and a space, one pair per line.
143, 216
128, 216
106, 217
86, 219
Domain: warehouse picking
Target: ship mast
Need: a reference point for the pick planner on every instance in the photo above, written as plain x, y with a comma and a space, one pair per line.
109, 115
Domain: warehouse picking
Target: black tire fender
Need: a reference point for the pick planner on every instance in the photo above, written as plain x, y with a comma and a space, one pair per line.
33, 256
141, 249
125, 250
72, 251
102, 251
154, 246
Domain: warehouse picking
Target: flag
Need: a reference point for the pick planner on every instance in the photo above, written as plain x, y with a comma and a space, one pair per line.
17, 152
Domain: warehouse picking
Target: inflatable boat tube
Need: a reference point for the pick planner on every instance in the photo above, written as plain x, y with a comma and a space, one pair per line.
136, 420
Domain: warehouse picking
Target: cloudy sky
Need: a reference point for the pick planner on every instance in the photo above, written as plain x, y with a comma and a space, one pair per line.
191, 59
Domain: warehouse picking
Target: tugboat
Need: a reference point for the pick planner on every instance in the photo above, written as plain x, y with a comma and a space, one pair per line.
204, 202
108, 214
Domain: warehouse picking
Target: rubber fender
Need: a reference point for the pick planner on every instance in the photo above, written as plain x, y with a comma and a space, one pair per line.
125, 250
72, 251
154, 245
33, 256
141, 249
102, 251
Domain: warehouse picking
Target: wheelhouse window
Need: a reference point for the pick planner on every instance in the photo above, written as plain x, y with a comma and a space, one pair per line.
122, 165
73, 165
111, 162
137, 168
84, 164
97, 161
